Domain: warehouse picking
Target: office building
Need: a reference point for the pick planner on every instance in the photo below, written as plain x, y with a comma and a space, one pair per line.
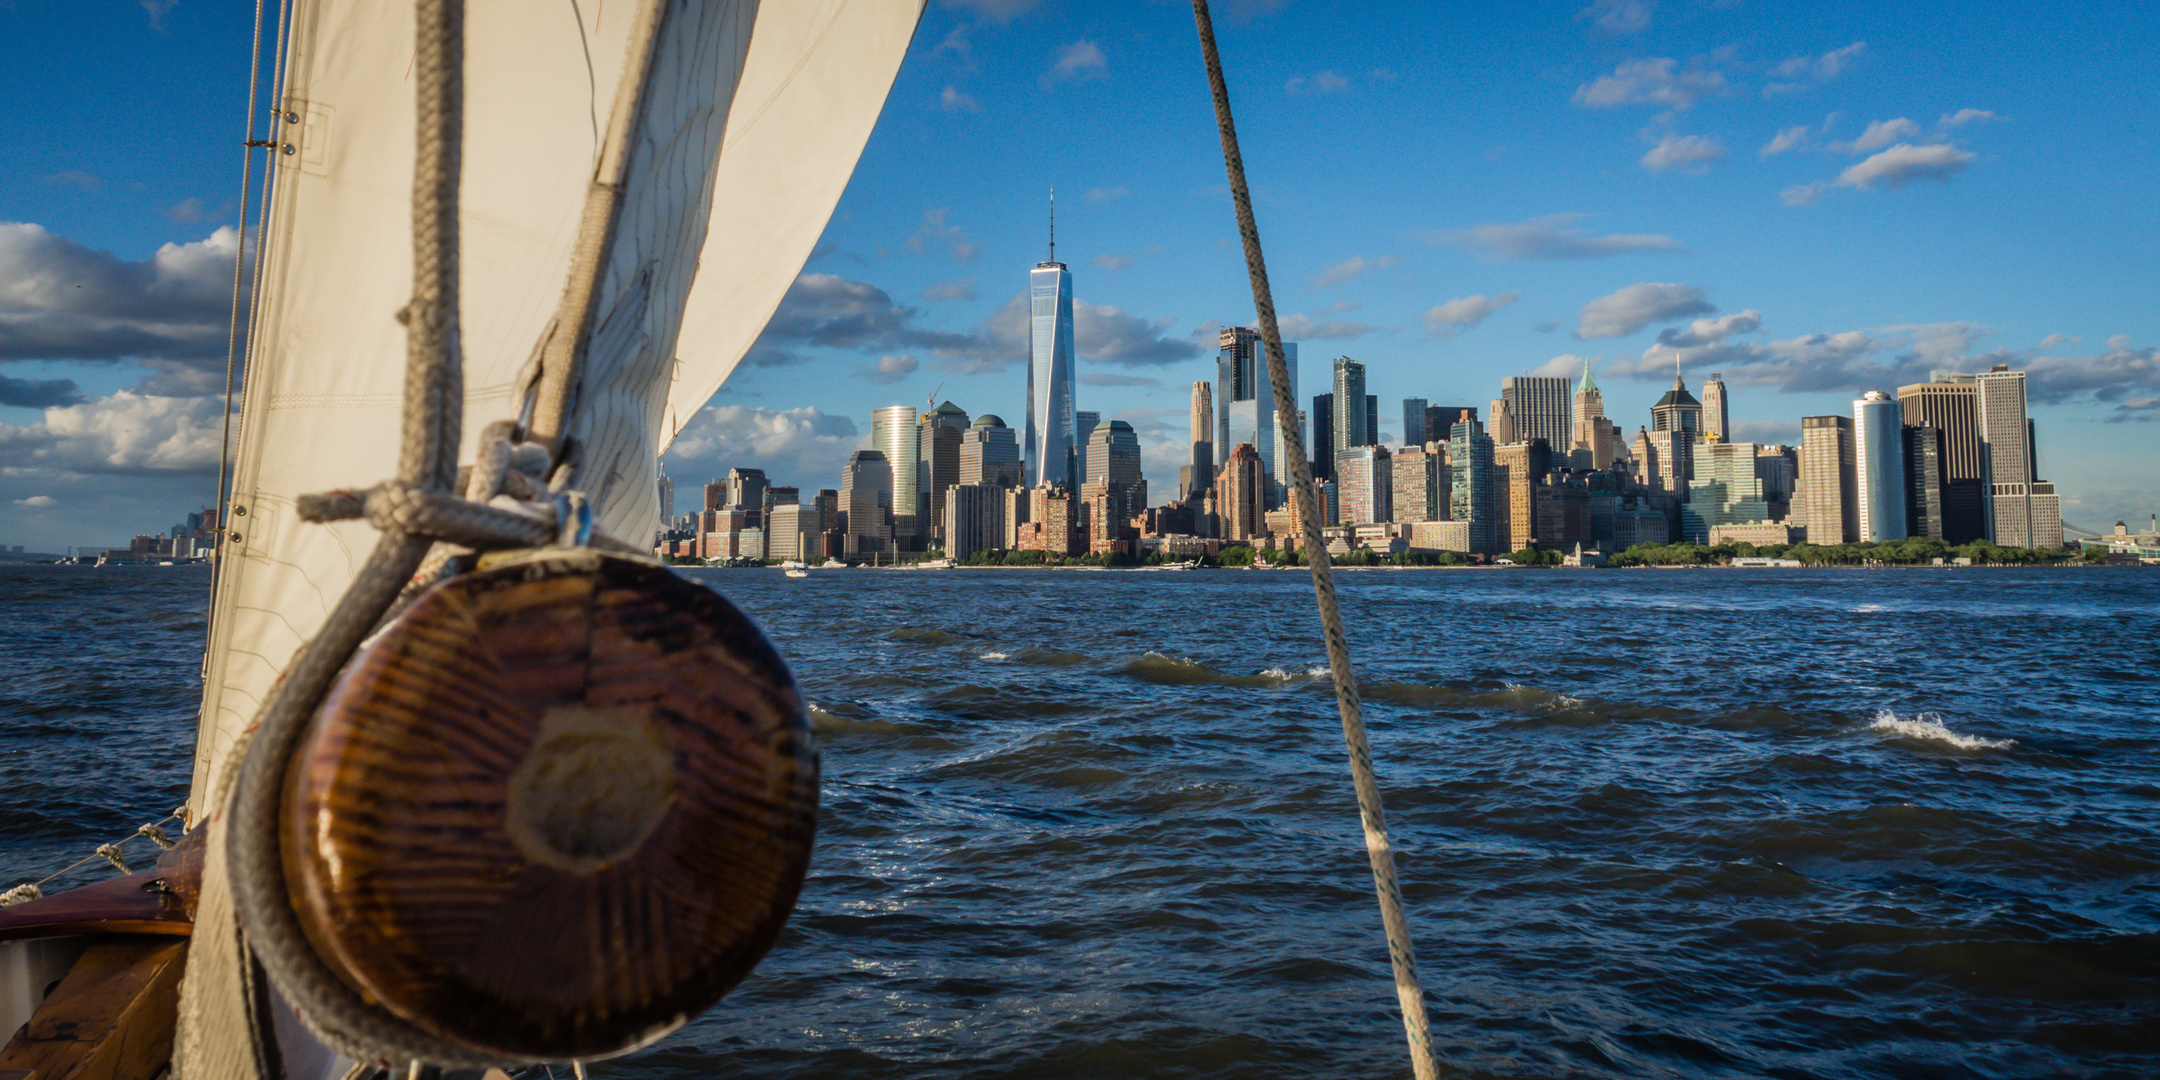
1470, 484
1049, 446
1320, 446
666, 492
746, 489
1417, 488
1827, 502
866, 486
1922, 448
1518, 473
1240, 496
1949, 402
1716, 420
893, 434
1778, 467
784, 529
1668, 460
989, 454
1539, 407
1415, 430
1594, 441
1879, 466
1677, 411
974, 519
1203, 442
938, 448
1245, 402
1440, 420
1502, 428
1113, 468
1363, 481
1727, 490
2023, 510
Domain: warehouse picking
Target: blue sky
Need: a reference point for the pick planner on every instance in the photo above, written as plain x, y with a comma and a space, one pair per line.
1813, 200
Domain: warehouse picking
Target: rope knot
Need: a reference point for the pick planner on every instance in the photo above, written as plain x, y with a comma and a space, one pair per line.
20, 894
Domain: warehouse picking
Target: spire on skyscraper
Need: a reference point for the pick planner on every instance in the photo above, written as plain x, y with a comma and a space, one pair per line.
1053, 223
1588, 384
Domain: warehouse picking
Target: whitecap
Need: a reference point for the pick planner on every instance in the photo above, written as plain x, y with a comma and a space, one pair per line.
1928, 727
995, 656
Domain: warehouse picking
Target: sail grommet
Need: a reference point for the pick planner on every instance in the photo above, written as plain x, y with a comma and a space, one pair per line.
557, 807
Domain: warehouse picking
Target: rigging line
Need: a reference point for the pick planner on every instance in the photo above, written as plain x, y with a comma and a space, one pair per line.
1400, 953
232, 333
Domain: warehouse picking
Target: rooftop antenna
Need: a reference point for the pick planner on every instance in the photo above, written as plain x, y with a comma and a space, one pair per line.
1053, 223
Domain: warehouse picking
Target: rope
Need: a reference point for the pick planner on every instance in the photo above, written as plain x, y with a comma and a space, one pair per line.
239, 270
24, 893
1400, 953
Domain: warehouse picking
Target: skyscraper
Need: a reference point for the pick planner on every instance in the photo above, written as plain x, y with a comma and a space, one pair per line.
1677, 410
1440, 420
1950, 403
1717, 422
1203, 441
1828, 499
1923, 482
866, 503
1879, 465
893, 433
1727, 490
1238, 494
938, 448
1470, 482
667, 499
1113, 466
1418, 483
1085, 421
1321, 446
989, 454
1595, 441
1372, 419
1245, 401
1518, 478
974, 519
1049, 446
1539, 408
2023, 510
1363, 482
1502, 429
1414, 430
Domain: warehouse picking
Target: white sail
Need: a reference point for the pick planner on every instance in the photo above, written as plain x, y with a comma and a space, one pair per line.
787, 119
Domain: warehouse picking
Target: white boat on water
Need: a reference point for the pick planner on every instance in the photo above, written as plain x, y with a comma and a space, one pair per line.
797, 572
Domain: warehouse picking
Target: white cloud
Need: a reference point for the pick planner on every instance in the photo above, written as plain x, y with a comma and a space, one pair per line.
1350, 268
1651, 82
127, 432
1630, 309
1712, 331
2053, 340
1619, 16
1463, 312
1326, 82
1306, 328
1904, 163
1078, 61
936, 232
1820, 69
951, 99
1802, 194
892, 369
1107, 194
1566, 365
805, 447
1548, 238
1879, 133
1690, 153
1792, 138
1965, 116
37, 501
1114, 263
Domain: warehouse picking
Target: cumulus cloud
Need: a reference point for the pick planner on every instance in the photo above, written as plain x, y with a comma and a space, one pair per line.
1106, 335
2143, 410
127, 432
1463, 312
1656, 81
1566, 365
187, 212
805, 447
1879, 133
1549, 238
62, 301
1802, 194
1619, 16
1798, 72
1690, 153
38, 393
1965, 116
1350, 268
1326, 82
1107, 194
1079, 61
951, 99
1630, 309
1792, 138
37, 501
892, 369
1712, 331
1905, 163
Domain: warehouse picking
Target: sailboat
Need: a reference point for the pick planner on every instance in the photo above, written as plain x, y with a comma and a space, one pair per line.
475, 785
608, 201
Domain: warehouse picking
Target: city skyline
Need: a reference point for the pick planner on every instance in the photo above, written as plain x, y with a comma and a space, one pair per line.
1813, 211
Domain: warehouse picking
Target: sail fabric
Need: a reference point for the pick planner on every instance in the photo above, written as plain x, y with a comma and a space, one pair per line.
784, 93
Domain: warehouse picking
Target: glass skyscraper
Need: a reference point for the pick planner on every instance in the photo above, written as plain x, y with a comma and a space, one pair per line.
1049, 438
1879, 465
1245, 403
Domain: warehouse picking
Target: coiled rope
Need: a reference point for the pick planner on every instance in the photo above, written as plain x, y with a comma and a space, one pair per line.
1400, 953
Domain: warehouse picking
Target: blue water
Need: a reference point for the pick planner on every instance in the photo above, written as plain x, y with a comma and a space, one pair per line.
1838, 824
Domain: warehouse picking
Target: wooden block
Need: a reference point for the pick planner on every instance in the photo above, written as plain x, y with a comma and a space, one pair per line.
111, 1018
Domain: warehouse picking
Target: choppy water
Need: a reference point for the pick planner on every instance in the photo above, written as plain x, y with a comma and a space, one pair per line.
1650, 823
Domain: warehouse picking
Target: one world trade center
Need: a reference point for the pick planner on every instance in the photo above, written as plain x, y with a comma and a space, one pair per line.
1049, 448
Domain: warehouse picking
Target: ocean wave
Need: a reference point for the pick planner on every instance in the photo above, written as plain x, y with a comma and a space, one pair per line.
1928, 727
1167, 670
995, 656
